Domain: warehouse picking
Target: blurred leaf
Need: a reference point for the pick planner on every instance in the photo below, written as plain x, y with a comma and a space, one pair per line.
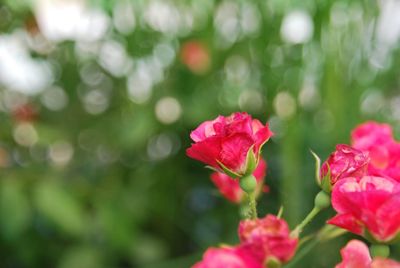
60, 207
149, 249
15, 212
81, 257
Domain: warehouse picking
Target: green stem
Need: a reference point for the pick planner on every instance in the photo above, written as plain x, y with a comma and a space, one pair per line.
299, 228
321, 201
252, 206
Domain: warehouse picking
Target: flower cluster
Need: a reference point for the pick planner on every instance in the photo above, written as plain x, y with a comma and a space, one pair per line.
262, 241
361, 181
366, 193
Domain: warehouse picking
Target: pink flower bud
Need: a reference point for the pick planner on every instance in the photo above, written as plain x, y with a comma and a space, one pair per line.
230, 188
228, 257
356, 255
226, 142
268, 237
368, 207
344, 162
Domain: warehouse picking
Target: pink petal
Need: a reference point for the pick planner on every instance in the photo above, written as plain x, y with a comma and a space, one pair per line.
355, 255
260, 170
234, 151
228, 258
261, 137
206, 151
384, 263
227, 186
206, 129
388, 219
241, 123
348, 222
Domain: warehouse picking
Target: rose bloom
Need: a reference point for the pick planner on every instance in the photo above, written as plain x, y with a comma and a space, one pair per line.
368, 207
230, 188
356, 255
268, 237
345, 162
228, 257
384, 152
226, 141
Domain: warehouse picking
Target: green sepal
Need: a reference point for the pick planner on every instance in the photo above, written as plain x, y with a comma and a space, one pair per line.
280, 212
367, 235
273, 262
259, 151
326, 181
213, 168
317, 167
228, 172
251, 162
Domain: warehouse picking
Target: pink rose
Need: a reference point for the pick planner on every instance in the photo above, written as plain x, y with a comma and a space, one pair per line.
356, 255
384, 152
370, 134
228, 257
369, 207
224, 143
268, 237
345, 162
230, 188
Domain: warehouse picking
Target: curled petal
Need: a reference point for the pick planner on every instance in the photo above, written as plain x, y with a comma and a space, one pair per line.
348, 222
355, 255
206, 151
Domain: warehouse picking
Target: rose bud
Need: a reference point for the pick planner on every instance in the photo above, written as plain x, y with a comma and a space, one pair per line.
268, 238
228, 257
344, 162
230, 144
355, 255
230, 188
369, 207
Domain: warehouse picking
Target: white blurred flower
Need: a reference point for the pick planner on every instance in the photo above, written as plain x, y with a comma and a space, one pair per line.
297, 27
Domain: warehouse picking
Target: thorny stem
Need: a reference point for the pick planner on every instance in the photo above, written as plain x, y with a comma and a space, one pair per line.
253, 206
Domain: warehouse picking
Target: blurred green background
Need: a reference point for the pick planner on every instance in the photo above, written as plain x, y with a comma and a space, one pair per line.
97, 100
